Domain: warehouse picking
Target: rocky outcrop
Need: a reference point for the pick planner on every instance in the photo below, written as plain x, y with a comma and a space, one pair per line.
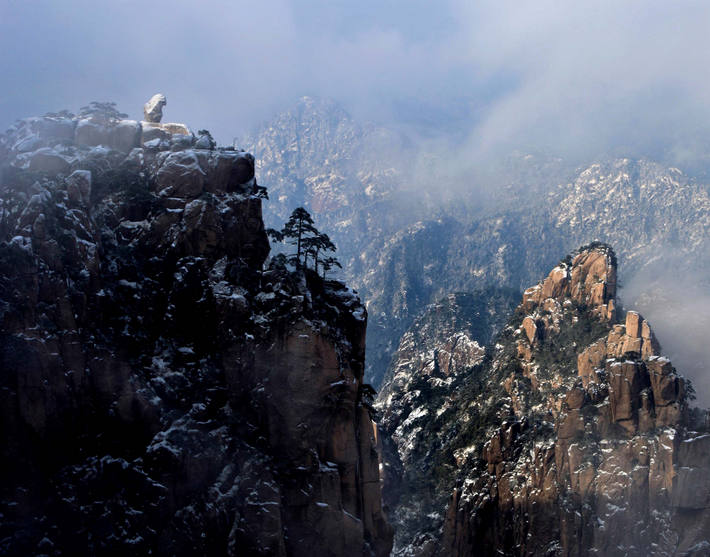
446, 341
571, 436
353, 178
163, 393
372, 189
593, 453
588, 279
57, 142
153, 109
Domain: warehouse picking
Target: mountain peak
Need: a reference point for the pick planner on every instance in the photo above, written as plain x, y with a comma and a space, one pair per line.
586, 277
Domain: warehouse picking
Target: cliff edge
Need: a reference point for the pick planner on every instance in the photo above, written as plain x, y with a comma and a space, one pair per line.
572, 435
162, 392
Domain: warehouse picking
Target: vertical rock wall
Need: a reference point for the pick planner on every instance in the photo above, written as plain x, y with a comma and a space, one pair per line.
596, 453
161, 392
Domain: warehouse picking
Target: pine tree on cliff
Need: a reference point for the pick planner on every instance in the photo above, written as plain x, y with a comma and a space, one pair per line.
317, 245
300, 231
328, 263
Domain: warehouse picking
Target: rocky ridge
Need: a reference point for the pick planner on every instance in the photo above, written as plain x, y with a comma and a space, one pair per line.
440, 347
163, 392
353, 179
573, 436
657, 217
403, 244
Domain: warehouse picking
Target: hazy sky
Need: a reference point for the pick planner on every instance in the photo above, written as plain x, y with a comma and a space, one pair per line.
629, 77
581, 77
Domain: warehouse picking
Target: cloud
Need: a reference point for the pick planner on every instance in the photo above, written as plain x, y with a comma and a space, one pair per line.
469, 80
579, 78
675, 298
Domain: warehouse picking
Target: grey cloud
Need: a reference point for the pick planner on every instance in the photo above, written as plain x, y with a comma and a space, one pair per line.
677, 305
578, 78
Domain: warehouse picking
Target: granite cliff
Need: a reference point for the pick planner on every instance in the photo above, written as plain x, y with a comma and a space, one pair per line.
571, 435
164, 388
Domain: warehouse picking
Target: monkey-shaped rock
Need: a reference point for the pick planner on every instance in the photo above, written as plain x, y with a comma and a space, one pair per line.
153, 109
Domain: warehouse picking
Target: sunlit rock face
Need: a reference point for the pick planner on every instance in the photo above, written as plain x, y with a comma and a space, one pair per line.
164, 390
153, 109
574, 436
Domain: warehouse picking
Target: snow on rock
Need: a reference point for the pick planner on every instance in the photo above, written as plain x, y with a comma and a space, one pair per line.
157, 375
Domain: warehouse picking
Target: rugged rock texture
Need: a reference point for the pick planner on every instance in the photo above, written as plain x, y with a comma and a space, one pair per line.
153, 109
442, 345
161, 393
657, 217
573, 436
355, 179
507, 227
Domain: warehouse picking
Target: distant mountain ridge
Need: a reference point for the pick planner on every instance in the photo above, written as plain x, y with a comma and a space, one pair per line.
403, 251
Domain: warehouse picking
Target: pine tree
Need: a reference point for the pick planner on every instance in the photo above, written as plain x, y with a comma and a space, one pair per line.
300, 231
328, 263
315, 246
298, 227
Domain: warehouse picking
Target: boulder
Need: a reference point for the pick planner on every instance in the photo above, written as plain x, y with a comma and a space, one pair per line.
90, 133
153, 109
48, 160
151, 131
181, 141
121, 135
164, 132
54, 129
173, 128
27, 144
125, 136
180, 175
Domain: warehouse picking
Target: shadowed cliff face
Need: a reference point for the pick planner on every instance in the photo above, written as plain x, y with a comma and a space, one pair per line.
573, 436
440, 348
160, 391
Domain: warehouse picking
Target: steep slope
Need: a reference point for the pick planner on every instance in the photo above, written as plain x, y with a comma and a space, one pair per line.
659, 218
440, 347
410, 237
162, 393
352, 177
572, 437
348, 175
